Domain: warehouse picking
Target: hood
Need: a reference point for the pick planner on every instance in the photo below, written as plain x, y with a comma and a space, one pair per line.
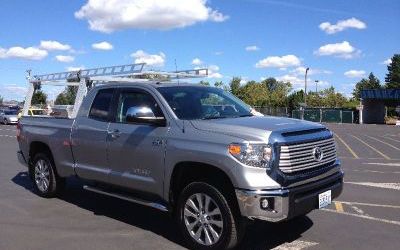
12, 117
255, 127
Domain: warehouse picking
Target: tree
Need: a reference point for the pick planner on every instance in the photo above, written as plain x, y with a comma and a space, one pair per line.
393, 76
278, 92
332, 99
67, 97
235, 87
295, 98
371, 83
39, 97
270, 83
1, 100
205, 83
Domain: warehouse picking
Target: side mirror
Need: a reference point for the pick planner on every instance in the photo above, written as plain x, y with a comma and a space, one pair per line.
144, 114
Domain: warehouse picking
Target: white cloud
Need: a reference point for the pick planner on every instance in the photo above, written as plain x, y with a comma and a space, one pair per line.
342, 25
355, 73
156, 60
302, 70
13, 91
197, 62
294, 80
213, 72
343, 50
102, 46
30, 53
387, 61
65, 59
252, 48
279, 62
75, 68
54, 45
219, 53
111, 15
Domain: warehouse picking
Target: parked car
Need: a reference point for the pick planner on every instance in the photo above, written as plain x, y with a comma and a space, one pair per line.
9, 117
34, 112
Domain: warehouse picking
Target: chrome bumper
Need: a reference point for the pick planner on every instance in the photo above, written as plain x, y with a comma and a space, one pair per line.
287, 202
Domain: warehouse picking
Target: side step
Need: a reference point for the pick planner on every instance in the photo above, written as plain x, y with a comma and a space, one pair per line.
128, 198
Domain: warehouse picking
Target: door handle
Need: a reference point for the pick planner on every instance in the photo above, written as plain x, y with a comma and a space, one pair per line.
114, 133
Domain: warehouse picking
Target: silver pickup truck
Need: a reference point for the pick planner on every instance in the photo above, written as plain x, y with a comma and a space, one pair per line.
195, 151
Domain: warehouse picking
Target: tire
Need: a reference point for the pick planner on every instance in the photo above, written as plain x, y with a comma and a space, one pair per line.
46, 182
5, 122
196, 221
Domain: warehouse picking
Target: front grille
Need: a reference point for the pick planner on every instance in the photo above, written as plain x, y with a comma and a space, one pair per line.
300, 157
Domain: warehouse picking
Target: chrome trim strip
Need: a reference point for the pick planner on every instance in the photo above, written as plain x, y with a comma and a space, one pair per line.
127, 198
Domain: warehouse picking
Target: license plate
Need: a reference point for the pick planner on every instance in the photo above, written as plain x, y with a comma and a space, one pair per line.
324, 199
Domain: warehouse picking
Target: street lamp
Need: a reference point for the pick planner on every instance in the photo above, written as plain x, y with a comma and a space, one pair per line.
316, 86
305, 87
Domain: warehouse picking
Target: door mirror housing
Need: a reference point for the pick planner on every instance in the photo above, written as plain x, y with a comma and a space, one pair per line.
144, 114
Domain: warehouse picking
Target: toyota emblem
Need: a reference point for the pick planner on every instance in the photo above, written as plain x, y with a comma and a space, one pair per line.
317, 154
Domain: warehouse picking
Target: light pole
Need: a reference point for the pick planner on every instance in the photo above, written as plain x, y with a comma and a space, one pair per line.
305, 87
316, 86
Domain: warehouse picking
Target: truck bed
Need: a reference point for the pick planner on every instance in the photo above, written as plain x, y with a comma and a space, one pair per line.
55, 132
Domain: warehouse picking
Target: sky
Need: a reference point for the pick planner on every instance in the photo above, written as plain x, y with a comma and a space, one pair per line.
340, 41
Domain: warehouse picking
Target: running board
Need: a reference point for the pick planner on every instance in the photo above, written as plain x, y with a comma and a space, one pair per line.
127, 198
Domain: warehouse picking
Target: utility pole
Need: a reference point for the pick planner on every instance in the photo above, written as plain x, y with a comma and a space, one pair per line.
305, 87
316, 86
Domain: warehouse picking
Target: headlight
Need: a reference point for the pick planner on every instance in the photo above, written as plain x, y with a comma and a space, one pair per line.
255, 155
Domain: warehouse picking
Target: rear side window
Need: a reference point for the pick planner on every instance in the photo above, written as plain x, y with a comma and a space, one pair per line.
101, 106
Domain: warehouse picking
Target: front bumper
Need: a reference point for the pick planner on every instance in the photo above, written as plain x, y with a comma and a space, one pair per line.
288, 202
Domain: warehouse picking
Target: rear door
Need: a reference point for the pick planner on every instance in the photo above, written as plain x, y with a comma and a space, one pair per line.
89, 138
136, 151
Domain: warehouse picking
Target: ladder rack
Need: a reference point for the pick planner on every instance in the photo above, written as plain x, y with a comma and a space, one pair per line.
86, 78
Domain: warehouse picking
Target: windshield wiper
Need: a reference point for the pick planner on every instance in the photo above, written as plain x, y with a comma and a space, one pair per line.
213, 117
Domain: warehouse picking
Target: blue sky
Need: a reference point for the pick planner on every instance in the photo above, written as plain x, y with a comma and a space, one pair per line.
341, 41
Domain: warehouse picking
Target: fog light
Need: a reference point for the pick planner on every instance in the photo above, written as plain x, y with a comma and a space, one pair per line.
267, 203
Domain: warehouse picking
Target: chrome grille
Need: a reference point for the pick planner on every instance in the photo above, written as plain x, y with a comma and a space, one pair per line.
300, 157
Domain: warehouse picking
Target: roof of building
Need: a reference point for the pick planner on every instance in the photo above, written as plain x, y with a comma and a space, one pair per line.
380, 94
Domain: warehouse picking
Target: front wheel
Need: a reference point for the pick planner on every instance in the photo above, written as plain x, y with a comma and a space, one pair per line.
5, 122
206, 219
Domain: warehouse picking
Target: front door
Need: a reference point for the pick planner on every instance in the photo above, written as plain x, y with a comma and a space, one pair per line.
136, 151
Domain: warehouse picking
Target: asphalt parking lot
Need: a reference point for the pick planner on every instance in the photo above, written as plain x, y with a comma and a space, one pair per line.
366, 215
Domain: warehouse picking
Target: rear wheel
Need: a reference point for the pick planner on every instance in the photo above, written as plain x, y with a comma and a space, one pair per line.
206, 219
45, 179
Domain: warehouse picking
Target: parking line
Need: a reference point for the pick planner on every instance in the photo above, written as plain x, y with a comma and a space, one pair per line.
395, 186
348, 147
364, 217
339, 206
390, 145
368, 204
391, 139
376, 150
11, 136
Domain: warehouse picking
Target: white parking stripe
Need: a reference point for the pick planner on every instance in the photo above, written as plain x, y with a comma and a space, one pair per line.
368, 204
364, 217
384, 164
373, 171
295, 245
395, 186
11, 136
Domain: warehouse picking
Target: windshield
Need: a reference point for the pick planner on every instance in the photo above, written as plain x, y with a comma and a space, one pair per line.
192, 102
11, 112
